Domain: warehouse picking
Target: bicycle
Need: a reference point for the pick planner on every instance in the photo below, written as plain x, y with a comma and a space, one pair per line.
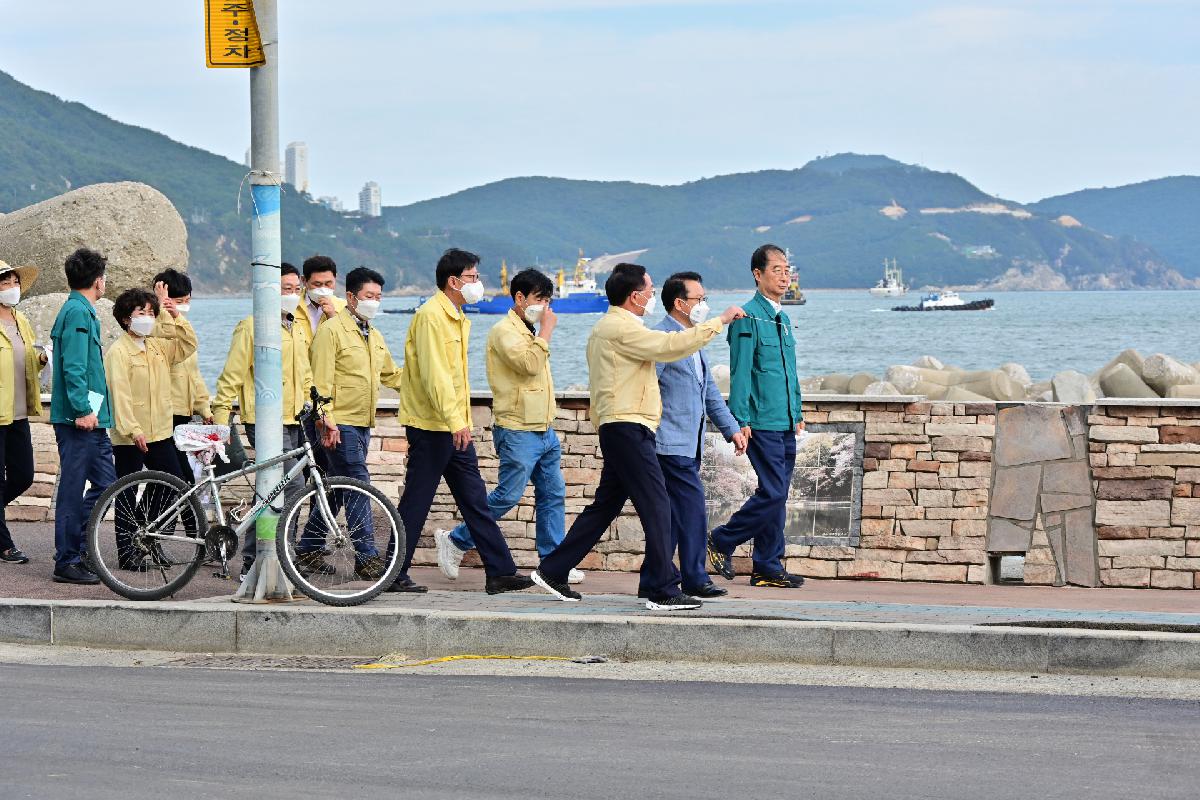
149, 532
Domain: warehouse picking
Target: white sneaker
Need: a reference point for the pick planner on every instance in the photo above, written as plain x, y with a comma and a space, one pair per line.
449, 557
575, 576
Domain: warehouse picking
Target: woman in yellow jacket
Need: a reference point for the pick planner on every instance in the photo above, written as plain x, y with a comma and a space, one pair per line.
20, 398
138, 367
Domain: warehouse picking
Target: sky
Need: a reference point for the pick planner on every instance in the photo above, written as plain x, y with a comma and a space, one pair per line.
1024, 99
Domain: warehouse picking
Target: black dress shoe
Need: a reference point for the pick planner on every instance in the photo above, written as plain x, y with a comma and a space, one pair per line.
707, 591
497, 584
74, 573
406, 585
13, 555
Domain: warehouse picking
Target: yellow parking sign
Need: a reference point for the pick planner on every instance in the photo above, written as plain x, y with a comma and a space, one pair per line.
231, 34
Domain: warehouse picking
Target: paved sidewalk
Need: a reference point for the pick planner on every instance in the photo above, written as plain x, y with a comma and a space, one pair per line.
608, 593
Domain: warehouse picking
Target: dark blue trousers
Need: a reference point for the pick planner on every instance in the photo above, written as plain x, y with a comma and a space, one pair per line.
431, 457
689, 518
83, 457
761, 517
348, 459
631, 472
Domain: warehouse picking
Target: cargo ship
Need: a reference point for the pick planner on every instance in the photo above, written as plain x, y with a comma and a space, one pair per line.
578, 295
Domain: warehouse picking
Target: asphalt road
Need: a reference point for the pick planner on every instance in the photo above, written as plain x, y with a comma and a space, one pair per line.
181, 733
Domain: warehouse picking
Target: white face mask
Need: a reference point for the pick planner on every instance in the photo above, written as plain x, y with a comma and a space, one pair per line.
289, 303
699, 312
183, 308
142, 326
320, 293
534, 313
650, 305
10, 296
472, 292
367, 309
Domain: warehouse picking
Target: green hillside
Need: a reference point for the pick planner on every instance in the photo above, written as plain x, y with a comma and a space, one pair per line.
830, 214
1162, 213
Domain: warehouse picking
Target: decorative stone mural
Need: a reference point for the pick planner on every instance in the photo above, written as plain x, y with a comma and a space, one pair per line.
823, 504
1042, 492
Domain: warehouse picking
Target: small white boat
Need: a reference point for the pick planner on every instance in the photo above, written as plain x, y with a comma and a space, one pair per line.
892, 284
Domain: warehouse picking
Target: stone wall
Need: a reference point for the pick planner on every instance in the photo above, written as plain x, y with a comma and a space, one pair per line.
1106, 495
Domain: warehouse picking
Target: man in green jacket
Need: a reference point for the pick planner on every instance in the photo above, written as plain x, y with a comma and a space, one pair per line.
80, 410
764, 396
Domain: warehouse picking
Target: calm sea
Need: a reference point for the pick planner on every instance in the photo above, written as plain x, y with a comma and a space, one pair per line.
850, 331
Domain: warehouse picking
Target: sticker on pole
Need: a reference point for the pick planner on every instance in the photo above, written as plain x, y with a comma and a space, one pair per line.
231, 35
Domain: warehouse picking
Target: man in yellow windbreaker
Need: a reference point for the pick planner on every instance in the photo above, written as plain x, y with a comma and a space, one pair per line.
626, 409
435, 408
350, 360
236, 383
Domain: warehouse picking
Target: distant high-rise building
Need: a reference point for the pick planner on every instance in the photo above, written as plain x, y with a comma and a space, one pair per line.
370, 203
331, 202
295, 170
247, 158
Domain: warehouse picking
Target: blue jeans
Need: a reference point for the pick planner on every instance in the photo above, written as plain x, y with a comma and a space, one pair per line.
83, 457
762, 516
348, 459
525, 455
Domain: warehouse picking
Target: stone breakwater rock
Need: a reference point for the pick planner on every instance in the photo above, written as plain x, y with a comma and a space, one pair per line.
42, 311
720, 373
860, 382
1073, 387
928, 362
133, 224
1161, 372
1120, 380
881, 389
1017, 373
1130, 358
1189, 392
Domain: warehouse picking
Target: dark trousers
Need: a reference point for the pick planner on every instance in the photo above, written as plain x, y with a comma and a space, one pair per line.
160, 455
83, 457
431, 457
762, 516
689, 517
16, 471
185, 469
292, 438
631, 472
348, 459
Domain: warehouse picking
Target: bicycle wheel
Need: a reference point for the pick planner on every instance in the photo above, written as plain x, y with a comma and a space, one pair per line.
350, 561
144, 540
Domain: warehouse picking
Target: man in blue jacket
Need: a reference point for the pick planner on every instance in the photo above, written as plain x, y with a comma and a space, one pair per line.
689, 396
80, 410
764, 394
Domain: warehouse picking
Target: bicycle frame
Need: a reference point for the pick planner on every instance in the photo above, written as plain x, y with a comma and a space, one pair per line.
213, 484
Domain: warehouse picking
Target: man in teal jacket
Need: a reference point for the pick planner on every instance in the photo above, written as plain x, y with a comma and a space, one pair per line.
764, 395
80, 411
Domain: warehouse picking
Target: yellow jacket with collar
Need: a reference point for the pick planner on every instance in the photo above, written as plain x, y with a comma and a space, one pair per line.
139, 380
305, 321
437, 393
621, 353
518, 370
349, 368
33, 366
189, 394
237, 378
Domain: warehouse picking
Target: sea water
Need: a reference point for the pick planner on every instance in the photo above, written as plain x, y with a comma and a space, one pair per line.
850, 331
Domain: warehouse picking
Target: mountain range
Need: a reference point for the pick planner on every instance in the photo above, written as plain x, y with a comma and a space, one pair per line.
839, 216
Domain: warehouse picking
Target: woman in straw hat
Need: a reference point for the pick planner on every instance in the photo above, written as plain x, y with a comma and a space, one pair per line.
20, 398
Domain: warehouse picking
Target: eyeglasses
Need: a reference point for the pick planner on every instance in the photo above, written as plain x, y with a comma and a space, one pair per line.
468, 277
702, 298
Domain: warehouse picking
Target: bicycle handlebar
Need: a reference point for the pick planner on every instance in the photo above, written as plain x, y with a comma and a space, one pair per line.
313, 407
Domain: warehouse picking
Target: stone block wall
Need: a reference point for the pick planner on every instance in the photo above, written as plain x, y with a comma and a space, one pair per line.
1146, 465
940, 481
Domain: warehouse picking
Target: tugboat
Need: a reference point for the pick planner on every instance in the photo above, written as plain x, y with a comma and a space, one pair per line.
892, 283
948, 301
793, 296
579, 295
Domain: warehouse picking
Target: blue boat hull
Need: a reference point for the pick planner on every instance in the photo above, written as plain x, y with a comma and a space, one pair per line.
575, 304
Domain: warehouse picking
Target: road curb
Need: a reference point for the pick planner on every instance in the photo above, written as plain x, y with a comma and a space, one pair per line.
424, 633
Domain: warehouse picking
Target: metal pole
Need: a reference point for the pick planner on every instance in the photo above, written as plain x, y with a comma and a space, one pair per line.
266, 581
